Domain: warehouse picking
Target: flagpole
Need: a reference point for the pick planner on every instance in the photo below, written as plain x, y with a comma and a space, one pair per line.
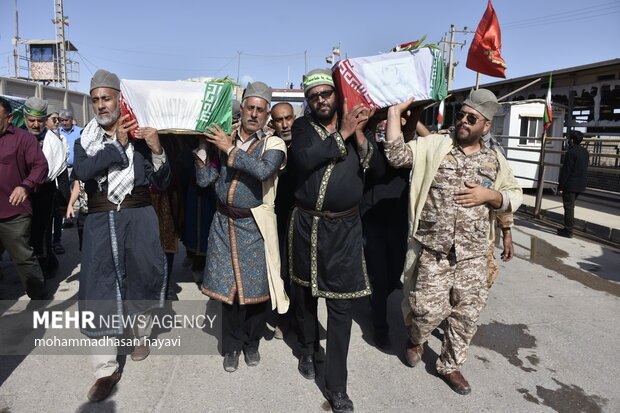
477, 80
541, 177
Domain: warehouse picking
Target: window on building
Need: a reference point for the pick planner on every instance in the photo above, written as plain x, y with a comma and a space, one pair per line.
42, 53
531, 127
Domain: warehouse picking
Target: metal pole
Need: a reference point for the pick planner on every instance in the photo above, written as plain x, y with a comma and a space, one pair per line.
519, 89
238, 64
477, 80
16, 44
541, 175
450, 57
60, 22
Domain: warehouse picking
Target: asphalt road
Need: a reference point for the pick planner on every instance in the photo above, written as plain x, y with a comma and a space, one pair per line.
547, 341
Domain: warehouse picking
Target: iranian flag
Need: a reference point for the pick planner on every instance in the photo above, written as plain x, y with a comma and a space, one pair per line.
385, 80
548, 115
440, 114
178, 105
336, 50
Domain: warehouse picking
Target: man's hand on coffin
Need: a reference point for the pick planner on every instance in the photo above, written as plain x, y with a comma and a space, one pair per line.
394, 127
411, 118
350, 119
123, 128
151, 137
218, 137
364, 119
398, 109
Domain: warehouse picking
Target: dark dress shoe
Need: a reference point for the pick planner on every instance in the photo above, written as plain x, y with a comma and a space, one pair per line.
339, 401
306, 367
231, 361
564, 233
140, 352
103, 387
413, 353
251, 357
457, 382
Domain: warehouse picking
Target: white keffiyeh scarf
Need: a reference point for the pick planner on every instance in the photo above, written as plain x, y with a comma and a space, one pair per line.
120, 180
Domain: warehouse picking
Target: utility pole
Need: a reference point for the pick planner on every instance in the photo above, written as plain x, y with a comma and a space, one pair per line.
451, 44
16, 44
60, 38
238, 64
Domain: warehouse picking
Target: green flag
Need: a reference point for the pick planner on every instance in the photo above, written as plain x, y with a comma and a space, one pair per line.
216, 107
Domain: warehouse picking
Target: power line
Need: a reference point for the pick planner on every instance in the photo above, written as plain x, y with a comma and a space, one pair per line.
566, 20
84, 60
157, 53
565, 17
225, 65
569, 12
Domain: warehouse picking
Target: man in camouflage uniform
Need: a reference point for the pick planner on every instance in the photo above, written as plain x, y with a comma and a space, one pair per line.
457, 188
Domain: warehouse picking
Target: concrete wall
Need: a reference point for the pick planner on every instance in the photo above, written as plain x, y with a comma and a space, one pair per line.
57, 97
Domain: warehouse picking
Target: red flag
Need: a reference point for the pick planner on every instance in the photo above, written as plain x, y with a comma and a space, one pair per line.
484, 52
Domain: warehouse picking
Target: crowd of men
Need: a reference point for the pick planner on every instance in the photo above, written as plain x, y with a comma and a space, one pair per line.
318, 206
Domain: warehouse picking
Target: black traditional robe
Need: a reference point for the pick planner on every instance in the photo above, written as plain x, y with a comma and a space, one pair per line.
124, 267
327, 254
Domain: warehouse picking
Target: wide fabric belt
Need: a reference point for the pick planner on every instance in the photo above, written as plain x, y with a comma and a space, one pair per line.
233, 212
330, 214
99, 202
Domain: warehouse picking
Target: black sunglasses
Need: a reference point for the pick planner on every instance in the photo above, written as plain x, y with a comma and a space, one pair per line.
471, 119
326, 94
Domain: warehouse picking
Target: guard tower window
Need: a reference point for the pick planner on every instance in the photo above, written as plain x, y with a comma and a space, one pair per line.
42, 53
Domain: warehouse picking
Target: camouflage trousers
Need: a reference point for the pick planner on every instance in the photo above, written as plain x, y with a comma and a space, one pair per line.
455, 291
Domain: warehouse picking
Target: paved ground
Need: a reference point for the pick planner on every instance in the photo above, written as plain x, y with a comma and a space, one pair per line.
547, 341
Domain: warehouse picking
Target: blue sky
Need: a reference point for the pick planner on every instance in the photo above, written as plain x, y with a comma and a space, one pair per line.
171, 40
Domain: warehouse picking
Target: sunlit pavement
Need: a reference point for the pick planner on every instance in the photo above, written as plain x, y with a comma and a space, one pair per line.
547, 341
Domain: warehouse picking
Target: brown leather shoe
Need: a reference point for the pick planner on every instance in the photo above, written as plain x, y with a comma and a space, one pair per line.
413, 353
103, 387
140, 353
457, 382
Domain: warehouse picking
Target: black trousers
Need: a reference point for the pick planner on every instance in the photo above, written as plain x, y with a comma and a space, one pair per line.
338, 334
42, 208
385, 248
569, 210
242, 326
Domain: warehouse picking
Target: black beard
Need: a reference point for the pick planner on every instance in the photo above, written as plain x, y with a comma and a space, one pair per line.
325, 117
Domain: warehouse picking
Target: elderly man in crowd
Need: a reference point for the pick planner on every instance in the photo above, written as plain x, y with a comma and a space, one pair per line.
23, 169
330, 152
56, 150
122, 258
243, 261
458, 186
282, 118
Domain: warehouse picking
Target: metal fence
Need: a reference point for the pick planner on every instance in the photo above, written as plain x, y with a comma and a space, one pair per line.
603, 170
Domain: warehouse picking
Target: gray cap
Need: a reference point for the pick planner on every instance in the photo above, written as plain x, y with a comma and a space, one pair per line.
258, 89
317, 77
103, 78
236, 109
484, 101
51, 109
36, 107
66, 113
